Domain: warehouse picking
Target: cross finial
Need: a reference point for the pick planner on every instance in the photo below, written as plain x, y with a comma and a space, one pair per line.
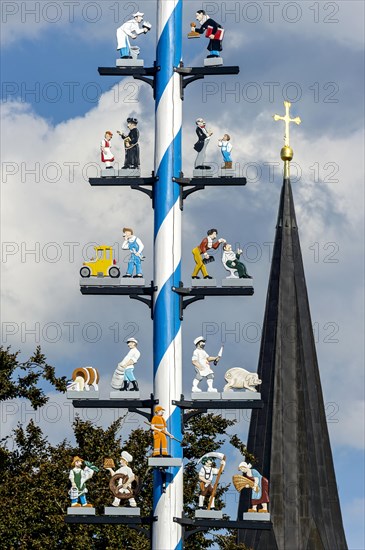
287, 121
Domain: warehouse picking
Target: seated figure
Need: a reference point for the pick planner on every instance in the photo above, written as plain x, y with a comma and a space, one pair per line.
232, 264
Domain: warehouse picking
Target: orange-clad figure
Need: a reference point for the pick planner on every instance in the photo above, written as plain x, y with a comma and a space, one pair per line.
158, 427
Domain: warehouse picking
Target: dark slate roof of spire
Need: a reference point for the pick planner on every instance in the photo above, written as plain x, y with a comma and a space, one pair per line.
289, 436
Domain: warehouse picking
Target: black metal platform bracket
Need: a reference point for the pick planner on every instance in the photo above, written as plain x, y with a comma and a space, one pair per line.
203, 524
191, 74
134, 522
198, 184
145, 74
135, 293
189, 295
132, 405
134, 183
202, 406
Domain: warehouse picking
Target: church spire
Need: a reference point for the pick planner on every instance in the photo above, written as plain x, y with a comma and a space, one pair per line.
289, 436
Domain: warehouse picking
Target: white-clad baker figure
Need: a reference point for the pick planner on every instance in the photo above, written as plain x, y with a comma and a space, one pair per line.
131, 29
124, 373
201, 361
125, 484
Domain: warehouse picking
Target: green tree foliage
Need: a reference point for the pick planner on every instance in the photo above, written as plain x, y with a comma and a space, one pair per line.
22, 379
34, 474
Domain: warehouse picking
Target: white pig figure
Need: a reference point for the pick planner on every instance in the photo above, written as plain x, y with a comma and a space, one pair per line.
241, 379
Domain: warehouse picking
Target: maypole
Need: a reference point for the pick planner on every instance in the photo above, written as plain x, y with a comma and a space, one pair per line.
168, 498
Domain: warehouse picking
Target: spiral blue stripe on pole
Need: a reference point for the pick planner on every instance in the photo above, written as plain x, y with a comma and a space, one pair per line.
167, 259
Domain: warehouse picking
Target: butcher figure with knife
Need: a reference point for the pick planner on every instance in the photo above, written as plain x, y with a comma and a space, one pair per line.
201, 361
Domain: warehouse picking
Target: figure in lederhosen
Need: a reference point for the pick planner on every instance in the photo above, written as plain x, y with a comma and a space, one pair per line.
206, 474
131, 145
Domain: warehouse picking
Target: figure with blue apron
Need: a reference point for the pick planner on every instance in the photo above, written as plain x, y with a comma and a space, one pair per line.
131, 29
135, 246
226, 148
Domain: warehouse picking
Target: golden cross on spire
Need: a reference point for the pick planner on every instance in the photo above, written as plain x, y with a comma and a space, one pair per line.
287, 121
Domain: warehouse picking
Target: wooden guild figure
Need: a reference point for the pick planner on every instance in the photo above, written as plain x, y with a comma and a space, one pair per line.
103, 264
84, 378
201, 361
201, 256
206, 476
107, 157
136, 247
259, 486
78, 477
131, 30
201, 145
131, 145
124, 484
159, 432
226, 147
238, 378
214, 32
232, 264
123, 375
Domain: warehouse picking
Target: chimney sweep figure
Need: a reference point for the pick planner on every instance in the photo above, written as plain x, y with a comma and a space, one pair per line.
201, 255
107, 156
131, 29
136, 247
257, 483
78, 478
213, 31
131, 145
122, 483
206, 474
202, 144
201, 360
159, 431
226, 147
124, 373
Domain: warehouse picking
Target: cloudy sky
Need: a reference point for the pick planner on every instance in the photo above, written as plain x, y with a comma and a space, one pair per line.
55, 110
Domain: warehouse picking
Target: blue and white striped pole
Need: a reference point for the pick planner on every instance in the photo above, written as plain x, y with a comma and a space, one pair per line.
167, 255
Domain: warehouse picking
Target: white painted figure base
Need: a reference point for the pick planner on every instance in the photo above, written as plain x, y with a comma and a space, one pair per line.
129, 172
124, 395
131, 281
231, 281
91, 394
164, 462
256, 516
80, 511
241, 395
109, 173
120, 511
197, 173
100, 281
209, 514
213, 62
206, 395
227, 173
203, 282
129, 62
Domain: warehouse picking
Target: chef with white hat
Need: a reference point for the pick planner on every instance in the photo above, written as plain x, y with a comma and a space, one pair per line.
131, 29
124, 469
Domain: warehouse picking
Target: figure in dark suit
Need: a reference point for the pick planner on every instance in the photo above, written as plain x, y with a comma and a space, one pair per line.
202, 144
131, 145
213, 30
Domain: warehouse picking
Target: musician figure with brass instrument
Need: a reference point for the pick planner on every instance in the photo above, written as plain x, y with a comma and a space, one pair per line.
259, 485
131, 145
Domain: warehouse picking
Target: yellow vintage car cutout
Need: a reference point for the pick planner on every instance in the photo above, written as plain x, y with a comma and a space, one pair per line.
103, 265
